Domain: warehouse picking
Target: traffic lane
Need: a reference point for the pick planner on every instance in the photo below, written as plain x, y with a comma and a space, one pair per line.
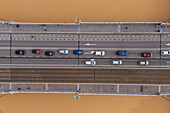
50, 44
125, 62
45, 36
4, 61
87, 53
165, 45
4, 45
119, 37
112, 52
4, 52
165, 42
119, 44
28, 52
165, 62
44, 62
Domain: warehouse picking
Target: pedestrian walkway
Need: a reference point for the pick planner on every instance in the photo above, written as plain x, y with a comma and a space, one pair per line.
86, 88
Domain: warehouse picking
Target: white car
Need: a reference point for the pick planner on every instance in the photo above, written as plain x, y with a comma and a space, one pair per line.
63, 51
99, 53
116, 62
165, 52
91, 62
143, 62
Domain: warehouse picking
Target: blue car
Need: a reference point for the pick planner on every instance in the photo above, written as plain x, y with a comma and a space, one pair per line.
78, 52
122, 53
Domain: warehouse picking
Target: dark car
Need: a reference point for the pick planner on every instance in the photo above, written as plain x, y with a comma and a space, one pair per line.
20, 52
49, 53
78, 52
146, 54
36, 51
122, 53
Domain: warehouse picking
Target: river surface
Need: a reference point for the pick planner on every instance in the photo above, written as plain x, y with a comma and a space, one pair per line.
64, 11
65, 103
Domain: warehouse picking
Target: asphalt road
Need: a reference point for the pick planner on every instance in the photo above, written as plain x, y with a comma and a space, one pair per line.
133, 44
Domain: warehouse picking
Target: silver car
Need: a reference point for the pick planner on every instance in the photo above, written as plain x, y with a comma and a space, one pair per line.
116, 62
63, 51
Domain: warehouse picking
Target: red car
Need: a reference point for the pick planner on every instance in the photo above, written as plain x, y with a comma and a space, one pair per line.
36, 51
146, 54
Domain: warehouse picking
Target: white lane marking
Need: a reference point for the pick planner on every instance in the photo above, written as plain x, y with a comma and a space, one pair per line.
167, 62
5, 64
87, 53
168, 44
119, 28
88, 44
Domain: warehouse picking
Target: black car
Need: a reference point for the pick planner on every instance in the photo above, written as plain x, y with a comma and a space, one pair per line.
49, 53
20, 52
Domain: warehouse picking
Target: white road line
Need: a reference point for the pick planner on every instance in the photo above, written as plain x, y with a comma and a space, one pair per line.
119, 28
117, 88
5, 64
46, 86
168, 44
86, 53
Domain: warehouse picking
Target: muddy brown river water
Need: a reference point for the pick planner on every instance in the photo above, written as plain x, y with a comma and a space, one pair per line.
65, 103
64, 11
